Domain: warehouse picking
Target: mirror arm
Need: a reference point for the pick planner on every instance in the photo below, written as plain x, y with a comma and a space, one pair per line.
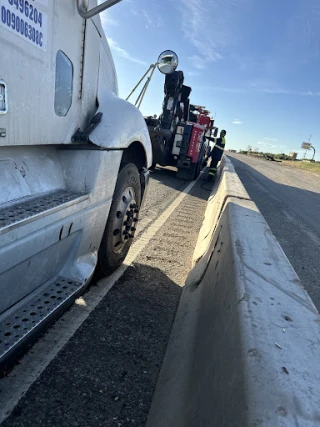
139, 82
86, 14
146, 87
150, 71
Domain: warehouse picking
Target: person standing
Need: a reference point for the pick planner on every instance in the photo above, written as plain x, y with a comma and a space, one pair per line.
216, 153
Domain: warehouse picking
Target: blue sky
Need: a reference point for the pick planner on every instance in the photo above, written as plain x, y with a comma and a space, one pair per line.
255, 63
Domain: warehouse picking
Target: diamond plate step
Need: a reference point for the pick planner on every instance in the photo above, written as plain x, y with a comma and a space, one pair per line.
32, 209
22, 322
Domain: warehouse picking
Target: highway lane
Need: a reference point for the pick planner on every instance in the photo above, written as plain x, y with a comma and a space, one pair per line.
289, 199
103, 370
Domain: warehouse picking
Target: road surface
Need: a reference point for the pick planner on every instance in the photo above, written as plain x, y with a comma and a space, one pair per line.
289, 199
98, 366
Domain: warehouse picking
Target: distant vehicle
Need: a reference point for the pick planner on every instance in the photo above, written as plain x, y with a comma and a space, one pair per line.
269, 157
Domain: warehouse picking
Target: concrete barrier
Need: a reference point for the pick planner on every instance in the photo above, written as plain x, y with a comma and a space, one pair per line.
228, 185
245, 345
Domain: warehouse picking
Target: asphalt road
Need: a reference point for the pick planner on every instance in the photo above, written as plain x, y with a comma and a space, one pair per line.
289, 199
107, 371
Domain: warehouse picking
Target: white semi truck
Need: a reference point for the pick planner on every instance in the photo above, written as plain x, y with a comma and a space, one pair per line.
74, 161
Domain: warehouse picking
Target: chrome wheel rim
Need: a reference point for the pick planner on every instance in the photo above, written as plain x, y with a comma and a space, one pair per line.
126, 217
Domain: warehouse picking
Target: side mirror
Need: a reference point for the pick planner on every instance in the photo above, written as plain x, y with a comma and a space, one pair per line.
215, 133
167, 62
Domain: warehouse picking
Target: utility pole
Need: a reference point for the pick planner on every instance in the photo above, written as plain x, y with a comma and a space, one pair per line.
307, 148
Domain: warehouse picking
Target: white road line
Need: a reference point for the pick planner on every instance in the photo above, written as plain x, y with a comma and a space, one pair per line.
17, 383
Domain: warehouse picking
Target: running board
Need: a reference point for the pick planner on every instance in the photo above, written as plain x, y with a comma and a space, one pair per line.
28, 210
17, 327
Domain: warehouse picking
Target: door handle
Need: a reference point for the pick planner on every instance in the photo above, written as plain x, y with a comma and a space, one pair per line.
3, 98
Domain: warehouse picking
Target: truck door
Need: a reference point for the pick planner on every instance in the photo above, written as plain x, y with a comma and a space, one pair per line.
41, 70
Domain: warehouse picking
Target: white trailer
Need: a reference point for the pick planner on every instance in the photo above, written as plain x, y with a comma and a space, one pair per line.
74, 161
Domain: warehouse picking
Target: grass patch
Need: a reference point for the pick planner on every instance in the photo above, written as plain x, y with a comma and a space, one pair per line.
311, 167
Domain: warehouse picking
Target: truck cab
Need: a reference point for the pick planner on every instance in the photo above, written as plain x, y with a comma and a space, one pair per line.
74, 161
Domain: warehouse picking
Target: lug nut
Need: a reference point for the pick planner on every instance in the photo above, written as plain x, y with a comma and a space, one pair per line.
136, 211
135, 219
133, 228
126, 237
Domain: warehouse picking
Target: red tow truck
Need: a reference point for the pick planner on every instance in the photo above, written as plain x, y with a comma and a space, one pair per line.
178, 136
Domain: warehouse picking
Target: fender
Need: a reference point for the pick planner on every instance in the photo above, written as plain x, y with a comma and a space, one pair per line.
121, 125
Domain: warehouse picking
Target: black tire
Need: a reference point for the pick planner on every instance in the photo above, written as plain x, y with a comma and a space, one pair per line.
199, 165
113, 248
198, 170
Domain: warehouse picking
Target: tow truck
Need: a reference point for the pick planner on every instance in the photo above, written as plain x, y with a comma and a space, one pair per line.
184, 144
178, 136
74, 161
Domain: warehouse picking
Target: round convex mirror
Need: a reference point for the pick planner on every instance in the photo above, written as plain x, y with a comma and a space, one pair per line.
167, 62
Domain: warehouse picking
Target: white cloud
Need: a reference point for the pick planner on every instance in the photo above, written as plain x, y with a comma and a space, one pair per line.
193, 73
274, 88
149, 20
123, 53
198, 62
243, 90
154, 21
107, 20
195, 19
237, 122
288, 92
225, 89
271, 139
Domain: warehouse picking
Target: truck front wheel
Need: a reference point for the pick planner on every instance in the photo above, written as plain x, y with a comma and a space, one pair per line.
122, 221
